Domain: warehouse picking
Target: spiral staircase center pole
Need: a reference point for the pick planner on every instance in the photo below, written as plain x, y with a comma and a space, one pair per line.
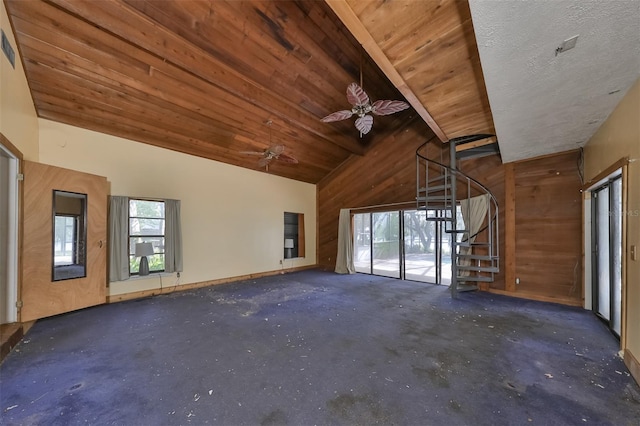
454, 240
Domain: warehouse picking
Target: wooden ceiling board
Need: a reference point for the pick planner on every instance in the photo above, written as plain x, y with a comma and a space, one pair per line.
204, 77
193, 59
431, 45
403, 27
330, 72
42, 53
107, 72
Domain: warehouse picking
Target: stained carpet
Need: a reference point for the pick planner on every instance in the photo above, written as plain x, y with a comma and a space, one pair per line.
316, 348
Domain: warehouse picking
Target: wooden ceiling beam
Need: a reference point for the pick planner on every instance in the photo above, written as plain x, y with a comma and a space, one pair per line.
359, 31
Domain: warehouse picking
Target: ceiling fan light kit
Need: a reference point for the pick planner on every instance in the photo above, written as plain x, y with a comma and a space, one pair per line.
361, 106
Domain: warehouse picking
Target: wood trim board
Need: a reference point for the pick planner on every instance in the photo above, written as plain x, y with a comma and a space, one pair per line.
175, 288
510, 227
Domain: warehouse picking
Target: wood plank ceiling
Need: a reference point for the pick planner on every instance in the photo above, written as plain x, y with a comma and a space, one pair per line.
204, 77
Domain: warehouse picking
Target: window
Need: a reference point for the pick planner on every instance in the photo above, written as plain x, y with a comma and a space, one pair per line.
293, 235
146, 225
69, 235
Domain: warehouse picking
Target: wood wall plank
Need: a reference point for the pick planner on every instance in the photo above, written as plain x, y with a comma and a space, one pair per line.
385, 174
510, 227
548, 220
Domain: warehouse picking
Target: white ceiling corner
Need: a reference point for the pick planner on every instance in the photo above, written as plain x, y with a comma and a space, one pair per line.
543, 103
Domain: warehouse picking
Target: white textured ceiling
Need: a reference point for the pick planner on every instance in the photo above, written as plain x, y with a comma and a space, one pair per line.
543, 103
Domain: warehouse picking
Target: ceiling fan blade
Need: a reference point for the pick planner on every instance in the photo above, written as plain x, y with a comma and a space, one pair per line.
264, 162
337, 116
252, 152
364, 124
287, 158
388, 107
356, 95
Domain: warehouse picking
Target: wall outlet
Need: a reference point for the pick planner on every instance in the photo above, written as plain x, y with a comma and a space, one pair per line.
178, 275
281, 261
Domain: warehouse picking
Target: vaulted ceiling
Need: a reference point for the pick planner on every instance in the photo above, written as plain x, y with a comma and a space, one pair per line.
204, 77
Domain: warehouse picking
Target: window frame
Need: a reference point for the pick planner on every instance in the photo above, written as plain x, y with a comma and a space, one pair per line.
146, 236
294, 229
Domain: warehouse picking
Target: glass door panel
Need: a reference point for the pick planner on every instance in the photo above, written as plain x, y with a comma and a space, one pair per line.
607, 253
420, 243
603, 301
386, 244
362, 242
616, 253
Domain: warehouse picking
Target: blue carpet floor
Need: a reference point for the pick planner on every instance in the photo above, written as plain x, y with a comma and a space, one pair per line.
316, 348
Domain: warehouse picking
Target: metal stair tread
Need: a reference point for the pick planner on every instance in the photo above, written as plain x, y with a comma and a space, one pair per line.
461, 244
475, 278
433, 198
433, 207
438, 178
466, 287
436, 188
477, 257
435, 219
478, 268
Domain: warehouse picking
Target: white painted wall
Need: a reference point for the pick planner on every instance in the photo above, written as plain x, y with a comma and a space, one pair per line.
18, 119
232, 218
19, 124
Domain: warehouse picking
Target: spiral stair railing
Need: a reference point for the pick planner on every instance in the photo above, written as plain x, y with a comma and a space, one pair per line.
477, 254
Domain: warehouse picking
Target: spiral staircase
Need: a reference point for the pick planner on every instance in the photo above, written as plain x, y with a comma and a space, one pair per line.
446, 189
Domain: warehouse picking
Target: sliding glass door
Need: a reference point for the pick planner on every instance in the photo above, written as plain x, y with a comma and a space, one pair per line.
362, 242
607, 252
409, 244
386, 244
420, 242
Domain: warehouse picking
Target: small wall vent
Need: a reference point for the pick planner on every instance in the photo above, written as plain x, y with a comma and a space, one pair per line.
8, 50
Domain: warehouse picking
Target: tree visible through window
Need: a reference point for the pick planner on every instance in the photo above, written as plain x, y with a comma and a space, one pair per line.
146, 225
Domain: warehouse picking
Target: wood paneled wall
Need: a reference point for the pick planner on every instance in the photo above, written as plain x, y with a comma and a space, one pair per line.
548, 206
546, 214
386, 174
540, 242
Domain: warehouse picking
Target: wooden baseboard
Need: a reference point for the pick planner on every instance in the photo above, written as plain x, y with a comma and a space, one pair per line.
539, 298
632, 364
171, 289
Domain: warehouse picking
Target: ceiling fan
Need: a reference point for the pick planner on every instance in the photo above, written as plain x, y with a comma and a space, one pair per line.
362, 106
274, 152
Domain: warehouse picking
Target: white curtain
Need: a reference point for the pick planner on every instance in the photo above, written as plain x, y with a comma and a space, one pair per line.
172, 236
474, 211
344, 259
118, 238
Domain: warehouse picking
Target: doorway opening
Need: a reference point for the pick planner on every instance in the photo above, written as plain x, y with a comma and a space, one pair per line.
606, 251
9, 169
